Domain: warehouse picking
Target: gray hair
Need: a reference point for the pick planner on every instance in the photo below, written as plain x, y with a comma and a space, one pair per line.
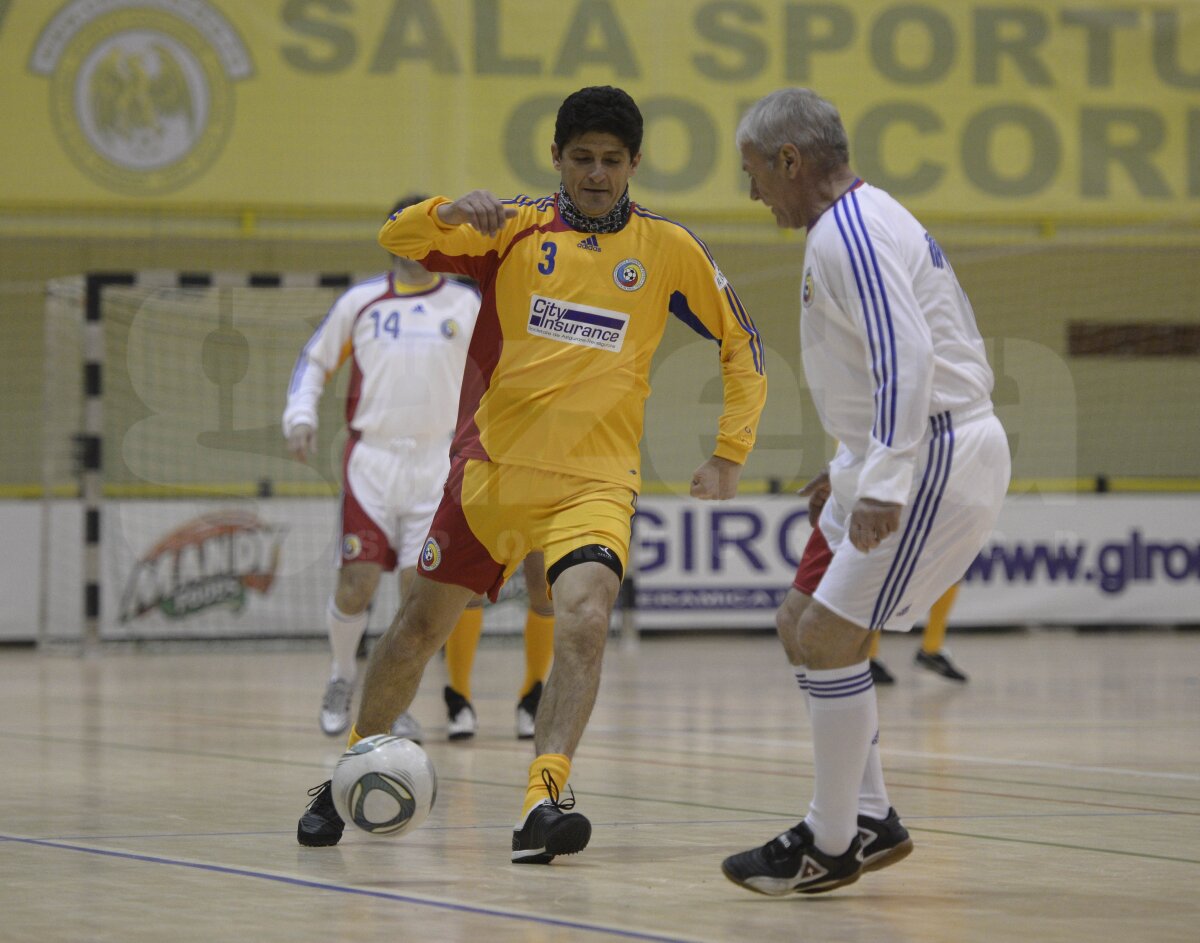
796, 116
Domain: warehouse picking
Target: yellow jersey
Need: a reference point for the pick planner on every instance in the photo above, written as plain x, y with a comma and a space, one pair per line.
558, 368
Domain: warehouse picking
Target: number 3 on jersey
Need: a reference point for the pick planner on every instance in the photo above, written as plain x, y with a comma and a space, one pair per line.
546, 266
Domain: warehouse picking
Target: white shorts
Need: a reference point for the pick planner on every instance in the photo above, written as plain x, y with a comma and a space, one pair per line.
959, 484
389, 495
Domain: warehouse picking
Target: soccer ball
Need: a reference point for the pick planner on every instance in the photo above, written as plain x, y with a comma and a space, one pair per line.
385, 785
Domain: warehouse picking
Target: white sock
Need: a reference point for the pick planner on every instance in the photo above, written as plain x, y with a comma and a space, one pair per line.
345, 632
872, 794
845, 718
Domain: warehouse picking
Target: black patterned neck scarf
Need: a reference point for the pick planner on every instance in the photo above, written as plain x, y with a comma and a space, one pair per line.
612, 221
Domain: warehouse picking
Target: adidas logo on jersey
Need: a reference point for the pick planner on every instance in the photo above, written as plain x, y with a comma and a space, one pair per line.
589, 243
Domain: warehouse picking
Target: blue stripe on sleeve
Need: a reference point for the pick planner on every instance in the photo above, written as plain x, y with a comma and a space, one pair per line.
735, 303
876, 314
887, 315
848, 242
743, 318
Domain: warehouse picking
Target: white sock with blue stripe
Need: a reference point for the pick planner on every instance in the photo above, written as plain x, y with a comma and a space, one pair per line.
845, 719
873, 797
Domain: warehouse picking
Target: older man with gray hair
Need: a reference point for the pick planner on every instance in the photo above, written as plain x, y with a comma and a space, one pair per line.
899, 378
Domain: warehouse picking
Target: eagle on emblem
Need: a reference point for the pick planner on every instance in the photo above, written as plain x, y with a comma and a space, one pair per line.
126, 98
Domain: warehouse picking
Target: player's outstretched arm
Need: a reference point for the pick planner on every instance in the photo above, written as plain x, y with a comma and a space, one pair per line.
481, 209
716, 480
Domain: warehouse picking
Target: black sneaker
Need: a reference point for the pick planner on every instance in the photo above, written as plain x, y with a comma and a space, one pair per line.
940, 664
321, 825
880, 674
527, 712
550, 829
884, 841
461, 723
791, 863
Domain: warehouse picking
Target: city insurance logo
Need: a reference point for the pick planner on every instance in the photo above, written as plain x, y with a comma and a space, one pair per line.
141, 91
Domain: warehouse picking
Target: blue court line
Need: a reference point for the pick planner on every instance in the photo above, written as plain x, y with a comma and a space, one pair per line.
360, 892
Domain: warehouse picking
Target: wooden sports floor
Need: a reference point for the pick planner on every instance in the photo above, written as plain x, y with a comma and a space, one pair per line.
153, 796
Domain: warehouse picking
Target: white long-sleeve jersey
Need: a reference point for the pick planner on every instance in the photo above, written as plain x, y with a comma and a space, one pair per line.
888, 340
407, 346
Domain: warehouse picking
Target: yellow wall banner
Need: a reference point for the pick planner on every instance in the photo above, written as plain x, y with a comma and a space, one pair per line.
1060, 108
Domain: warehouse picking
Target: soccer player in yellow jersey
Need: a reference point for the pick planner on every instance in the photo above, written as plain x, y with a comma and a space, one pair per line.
577, 289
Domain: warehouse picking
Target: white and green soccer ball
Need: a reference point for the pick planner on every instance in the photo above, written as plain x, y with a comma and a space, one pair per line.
385, 785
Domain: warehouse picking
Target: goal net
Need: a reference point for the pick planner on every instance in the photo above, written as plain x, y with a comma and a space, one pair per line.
164, 394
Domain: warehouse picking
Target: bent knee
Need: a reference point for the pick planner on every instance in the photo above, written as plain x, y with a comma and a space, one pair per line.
591, 615
356, 585
353, 598
787, 624
827, 641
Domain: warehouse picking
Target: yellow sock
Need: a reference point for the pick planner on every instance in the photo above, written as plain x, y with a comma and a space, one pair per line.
460, 650
539, 648
559, 768
353, 738
875, 636
935, 629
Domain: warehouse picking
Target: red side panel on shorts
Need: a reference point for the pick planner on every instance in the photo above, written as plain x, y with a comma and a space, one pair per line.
814, 563
361, 539
452, 554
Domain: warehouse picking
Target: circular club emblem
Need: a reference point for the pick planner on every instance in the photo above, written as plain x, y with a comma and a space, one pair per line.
629, 275
431, 555
449, 328
141, 94
806, 294
351, 547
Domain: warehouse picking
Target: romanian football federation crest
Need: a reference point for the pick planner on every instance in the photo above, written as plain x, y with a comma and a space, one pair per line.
629, 275
431, 555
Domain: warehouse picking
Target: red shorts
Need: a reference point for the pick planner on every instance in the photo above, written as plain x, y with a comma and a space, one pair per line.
813, 564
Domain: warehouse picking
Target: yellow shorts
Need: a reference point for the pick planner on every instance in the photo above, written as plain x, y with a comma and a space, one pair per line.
492, 516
